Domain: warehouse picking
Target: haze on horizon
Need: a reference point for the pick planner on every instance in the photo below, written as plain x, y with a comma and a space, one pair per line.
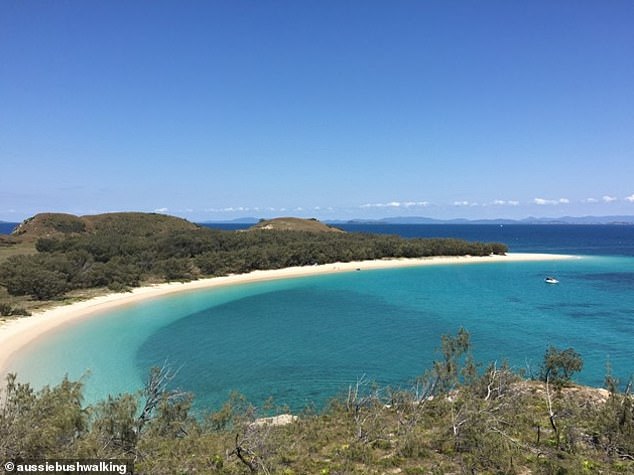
334, 110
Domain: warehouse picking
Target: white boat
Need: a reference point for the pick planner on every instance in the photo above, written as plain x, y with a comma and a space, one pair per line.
551, 280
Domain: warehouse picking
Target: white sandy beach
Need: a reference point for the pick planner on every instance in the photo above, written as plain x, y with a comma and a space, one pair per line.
14, 334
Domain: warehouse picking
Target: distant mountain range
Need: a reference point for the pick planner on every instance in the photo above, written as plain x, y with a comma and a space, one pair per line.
245, 220
422, 220
530, 220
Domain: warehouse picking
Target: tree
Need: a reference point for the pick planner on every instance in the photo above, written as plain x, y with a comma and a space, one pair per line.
42, 276
40, 424
448, 370
558, 365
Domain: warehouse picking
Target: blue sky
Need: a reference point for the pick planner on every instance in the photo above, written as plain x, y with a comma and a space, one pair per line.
331, 109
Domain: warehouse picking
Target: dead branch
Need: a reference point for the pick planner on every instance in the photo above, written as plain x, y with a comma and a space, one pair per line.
551, 413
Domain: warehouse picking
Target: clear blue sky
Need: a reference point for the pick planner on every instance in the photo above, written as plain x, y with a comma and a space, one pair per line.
331, 109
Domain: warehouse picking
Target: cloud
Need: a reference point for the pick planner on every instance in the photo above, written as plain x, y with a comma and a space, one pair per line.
506, 202
466, 203
608, 199
416, 204
231, 209
590, 200
161, 210
630, 198
544, 202
397, 204
379, 205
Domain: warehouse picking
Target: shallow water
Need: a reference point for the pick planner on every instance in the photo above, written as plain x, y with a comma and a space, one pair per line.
304, 340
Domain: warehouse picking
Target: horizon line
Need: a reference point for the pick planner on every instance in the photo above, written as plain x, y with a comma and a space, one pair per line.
619, 219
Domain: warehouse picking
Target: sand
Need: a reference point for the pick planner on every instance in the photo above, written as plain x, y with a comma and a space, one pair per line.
14, 334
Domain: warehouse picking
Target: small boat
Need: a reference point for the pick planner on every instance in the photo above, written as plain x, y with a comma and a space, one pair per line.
551, 280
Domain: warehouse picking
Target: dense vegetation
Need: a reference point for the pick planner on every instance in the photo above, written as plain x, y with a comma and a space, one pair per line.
126, 249
455, 419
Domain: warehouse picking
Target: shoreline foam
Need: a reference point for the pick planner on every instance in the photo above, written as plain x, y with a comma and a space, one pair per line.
15, 334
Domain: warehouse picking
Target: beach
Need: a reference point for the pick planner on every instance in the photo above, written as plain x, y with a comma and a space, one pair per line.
14, 334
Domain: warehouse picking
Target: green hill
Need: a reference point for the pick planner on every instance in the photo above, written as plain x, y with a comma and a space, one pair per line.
54, 256
294, 224
129, 223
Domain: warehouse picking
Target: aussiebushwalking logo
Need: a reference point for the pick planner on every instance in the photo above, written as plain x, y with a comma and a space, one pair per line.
93, 467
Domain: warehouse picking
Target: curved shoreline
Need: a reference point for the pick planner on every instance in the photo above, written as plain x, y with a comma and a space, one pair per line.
15, 334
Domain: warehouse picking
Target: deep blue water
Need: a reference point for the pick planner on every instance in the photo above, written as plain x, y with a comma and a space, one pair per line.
611, 240
305, 340
6, 228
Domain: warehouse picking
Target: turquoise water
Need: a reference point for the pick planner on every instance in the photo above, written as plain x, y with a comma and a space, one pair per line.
305, 340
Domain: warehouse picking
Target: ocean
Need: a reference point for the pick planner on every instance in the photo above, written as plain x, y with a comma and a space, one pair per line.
302, 341
6, 228
611, 240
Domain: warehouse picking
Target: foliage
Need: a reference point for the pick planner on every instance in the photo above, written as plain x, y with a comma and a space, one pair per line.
33, 275
447, 372
7, 310
489, 422
43, 424
558, 365
123, 250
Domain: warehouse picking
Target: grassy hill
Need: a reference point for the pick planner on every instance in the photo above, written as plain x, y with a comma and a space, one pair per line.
129, 223
294, 224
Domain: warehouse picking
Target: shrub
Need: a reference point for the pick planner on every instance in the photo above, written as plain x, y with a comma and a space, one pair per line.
559, 365
7, 310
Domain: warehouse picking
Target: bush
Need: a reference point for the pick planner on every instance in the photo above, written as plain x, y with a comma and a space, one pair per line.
174, 269
7, 310
559, 366
24, 275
